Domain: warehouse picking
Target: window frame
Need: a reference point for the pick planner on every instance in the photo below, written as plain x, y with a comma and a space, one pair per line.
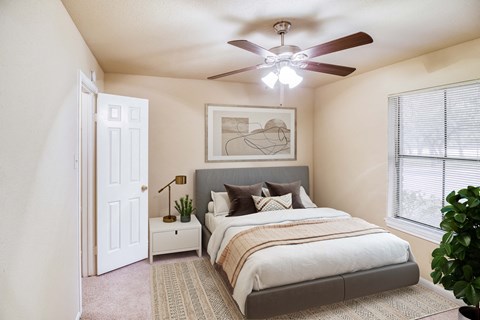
416, 229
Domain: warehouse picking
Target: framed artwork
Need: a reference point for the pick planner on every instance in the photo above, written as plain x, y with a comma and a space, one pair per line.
247, 133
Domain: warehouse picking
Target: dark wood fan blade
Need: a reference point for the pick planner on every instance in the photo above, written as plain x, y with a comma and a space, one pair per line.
351, 41
252, 47
258, 66
328, 68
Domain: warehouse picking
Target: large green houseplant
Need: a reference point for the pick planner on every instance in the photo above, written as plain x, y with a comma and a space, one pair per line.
456, 263
185, 207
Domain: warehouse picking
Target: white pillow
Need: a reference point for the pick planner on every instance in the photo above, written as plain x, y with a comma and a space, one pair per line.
273, 203
221, 203
266, 192
306, 201
210, 207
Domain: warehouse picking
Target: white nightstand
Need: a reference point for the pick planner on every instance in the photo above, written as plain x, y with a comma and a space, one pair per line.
175, 236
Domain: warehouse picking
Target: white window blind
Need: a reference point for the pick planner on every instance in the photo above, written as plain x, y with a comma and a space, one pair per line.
435, 148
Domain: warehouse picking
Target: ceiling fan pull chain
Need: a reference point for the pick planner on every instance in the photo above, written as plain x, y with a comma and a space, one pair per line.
282, 95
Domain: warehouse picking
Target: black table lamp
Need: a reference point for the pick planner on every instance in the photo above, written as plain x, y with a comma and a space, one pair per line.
177, 180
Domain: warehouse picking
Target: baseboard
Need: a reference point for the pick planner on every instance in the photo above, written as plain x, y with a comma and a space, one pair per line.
79, 314
440, 290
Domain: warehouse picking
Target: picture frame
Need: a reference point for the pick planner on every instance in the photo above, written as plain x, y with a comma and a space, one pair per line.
249, 133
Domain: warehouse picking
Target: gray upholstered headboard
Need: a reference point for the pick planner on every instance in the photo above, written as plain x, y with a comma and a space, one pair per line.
207, 180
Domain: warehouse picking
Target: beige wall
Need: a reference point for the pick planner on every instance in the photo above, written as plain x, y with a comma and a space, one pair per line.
350, 135
177, 125
41, 53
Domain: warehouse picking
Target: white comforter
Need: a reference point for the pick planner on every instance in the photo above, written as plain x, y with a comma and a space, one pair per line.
288, 264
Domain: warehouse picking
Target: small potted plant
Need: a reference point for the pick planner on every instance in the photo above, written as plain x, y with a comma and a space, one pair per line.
185, 208
456, 263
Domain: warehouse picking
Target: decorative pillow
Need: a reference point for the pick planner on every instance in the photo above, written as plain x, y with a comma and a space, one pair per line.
279, 189
210, 207
306, 201
265, 192
221, 203
273, 203
241, 202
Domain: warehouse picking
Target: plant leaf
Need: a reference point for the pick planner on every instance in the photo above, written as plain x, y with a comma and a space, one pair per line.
447, 225
472, 295
438, 252
448, 282
438, 262
448, 249
459, 289
464, 239
436, 276
459, 207
447, 209
474, 202
447, 237
449, 267
476, 283
464, 192
451, 197
467, 272
460, 217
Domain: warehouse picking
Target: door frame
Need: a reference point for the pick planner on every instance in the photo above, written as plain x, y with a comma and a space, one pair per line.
88, 166
84, 85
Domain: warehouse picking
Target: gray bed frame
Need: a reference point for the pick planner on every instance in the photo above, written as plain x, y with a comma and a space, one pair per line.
298, 296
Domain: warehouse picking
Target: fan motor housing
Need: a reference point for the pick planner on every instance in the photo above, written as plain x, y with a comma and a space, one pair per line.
285, 50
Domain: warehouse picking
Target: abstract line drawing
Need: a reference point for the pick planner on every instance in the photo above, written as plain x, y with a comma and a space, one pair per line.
250, 133
272, 138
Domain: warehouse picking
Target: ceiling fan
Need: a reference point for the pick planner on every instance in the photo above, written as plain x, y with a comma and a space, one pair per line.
285, 58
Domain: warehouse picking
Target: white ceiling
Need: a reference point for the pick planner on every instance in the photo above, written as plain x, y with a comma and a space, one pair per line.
188, 38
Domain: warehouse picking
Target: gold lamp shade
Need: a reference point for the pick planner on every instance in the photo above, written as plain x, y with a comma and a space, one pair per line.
180, 179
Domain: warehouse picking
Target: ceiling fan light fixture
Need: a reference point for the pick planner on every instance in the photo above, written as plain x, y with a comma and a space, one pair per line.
285, 58
285, 74
299, 57
270, 60
270, 79
288, 76
295, 81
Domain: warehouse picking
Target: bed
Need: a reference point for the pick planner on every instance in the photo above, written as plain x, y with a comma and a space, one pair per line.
299, 295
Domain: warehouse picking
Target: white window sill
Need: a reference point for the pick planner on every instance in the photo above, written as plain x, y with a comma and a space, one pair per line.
417, 230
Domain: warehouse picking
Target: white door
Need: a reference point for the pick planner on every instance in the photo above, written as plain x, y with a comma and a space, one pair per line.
122, 177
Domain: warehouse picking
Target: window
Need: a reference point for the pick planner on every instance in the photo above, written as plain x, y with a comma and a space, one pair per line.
434, 148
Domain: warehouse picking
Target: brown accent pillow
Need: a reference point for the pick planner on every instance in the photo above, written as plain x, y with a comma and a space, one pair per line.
241, 202
279, 189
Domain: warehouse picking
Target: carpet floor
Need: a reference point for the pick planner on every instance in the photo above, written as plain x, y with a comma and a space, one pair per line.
124, 294
193, 290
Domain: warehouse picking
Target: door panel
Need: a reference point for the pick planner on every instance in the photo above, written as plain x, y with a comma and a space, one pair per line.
122, 170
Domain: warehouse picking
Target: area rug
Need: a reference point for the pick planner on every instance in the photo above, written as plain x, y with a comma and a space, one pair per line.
193, 290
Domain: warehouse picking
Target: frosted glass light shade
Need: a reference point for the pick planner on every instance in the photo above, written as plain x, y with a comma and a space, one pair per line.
295, 81
288, 76
285, 74
270, 79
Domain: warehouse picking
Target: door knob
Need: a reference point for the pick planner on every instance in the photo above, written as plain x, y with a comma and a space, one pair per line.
144, 188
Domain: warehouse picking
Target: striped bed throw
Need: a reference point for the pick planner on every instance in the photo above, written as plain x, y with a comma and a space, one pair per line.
247, 242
